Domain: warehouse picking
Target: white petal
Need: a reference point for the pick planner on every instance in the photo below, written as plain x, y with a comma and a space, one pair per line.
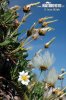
28, 76
24, 82
37, 61
19, 79
52, 76
50, 92
26, 73
27, 81
30, 64
21, 73
48, 59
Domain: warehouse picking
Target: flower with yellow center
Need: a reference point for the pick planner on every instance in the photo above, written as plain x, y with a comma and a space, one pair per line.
24, 78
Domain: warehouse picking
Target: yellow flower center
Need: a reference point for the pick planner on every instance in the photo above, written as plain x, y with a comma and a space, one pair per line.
24, 77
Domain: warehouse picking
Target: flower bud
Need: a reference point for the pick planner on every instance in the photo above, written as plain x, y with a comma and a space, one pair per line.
29, 33
48, 43
61, 76
45, 24
43, 19
16, 23
49, 22
35, 36
27, 8
33, 32
42, 31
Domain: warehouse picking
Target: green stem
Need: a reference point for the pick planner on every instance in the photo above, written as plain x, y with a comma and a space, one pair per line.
24, 18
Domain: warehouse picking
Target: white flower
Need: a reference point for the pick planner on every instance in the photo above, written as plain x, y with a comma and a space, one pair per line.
24, 78
48, 59
52, 77
42, 62
36, 61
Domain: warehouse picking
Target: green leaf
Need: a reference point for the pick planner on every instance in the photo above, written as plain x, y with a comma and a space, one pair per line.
6, 42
